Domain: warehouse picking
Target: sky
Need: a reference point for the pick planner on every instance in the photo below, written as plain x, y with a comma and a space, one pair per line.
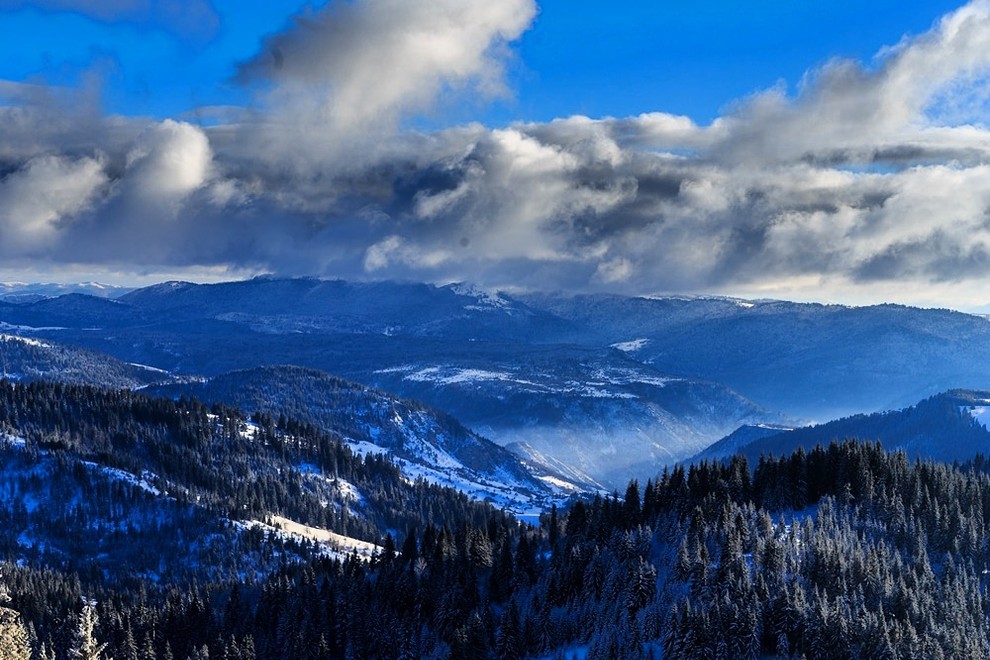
837, 152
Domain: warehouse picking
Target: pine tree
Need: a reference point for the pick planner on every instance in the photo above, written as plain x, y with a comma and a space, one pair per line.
84, 644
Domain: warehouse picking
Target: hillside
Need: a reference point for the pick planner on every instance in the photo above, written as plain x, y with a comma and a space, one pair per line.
213, 457
424, 443
947, 427
26, 359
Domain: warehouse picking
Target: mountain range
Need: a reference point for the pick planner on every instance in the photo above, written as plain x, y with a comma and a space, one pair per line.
605, 387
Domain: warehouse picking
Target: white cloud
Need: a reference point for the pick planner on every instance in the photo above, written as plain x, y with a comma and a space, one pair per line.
46, 193
168, 161
353, 69
860, 182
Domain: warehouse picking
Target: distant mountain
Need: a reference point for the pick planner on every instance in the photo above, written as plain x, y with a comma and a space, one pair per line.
422, 442
313, 306
23, 292
27, 359
947, 427
612, 386
596, 412
810, 361
510, 371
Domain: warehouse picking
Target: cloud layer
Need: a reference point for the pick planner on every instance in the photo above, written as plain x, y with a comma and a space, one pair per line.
193, 19
871, 178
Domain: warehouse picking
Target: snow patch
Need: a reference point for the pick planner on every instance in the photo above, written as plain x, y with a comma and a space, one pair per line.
143, 482
560, 483
27, 328
24, 340
336, 544
485, 300
13, 441
450, 376
981, 414
630, 346
148, 368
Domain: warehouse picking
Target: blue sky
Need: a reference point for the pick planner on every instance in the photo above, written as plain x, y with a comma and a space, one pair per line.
805, 150
578, 57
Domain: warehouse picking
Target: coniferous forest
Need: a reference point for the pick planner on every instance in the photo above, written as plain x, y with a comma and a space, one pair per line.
845, 551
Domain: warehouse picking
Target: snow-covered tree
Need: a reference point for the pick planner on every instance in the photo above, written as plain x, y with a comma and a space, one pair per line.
84, 643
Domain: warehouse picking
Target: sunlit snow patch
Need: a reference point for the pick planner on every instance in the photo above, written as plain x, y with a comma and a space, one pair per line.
24, 340
630, 346
981, 414
336, 544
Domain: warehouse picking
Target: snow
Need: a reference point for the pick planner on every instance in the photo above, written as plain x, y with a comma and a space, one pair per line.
147, 367
630, 346
143, 482
449, 376
249, 431
27, 328
486, 300
24, 340
337, 545
345, 490
502, 490
981, 414
13, 441
559, 483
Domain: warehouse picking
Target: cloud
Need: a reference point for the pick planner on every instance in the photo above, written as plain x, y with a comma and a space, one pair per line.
169, 160
864, 180
193, 19
41, 199
355, 69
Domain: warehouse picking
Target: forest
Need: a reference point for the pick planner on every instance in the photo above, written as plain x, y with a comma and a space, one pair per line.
844, 551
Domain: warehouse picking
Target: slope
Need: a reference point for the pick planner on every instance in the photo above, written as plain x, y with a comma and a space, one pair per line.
946, 427
90, 475
423, 442
27, 359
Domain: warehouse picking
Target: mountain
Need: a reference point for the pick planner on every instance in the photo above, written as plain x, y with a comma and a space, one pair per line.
809, 361
424, 443
27, 359
90, 475
948, 427
23, 292
506, 369
595, 411
612, 386
738, 441
313, 306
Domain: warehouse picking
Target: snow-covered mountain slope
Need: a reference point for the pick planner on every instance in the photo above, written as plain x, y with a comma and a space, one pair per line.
423, 442
946, 427
24, 292
64, 512
29, 359
88, 476
600, 414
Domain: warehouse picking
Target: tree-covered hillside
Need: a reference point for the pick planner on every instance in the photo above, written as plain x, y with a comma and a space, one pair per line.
839, 552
